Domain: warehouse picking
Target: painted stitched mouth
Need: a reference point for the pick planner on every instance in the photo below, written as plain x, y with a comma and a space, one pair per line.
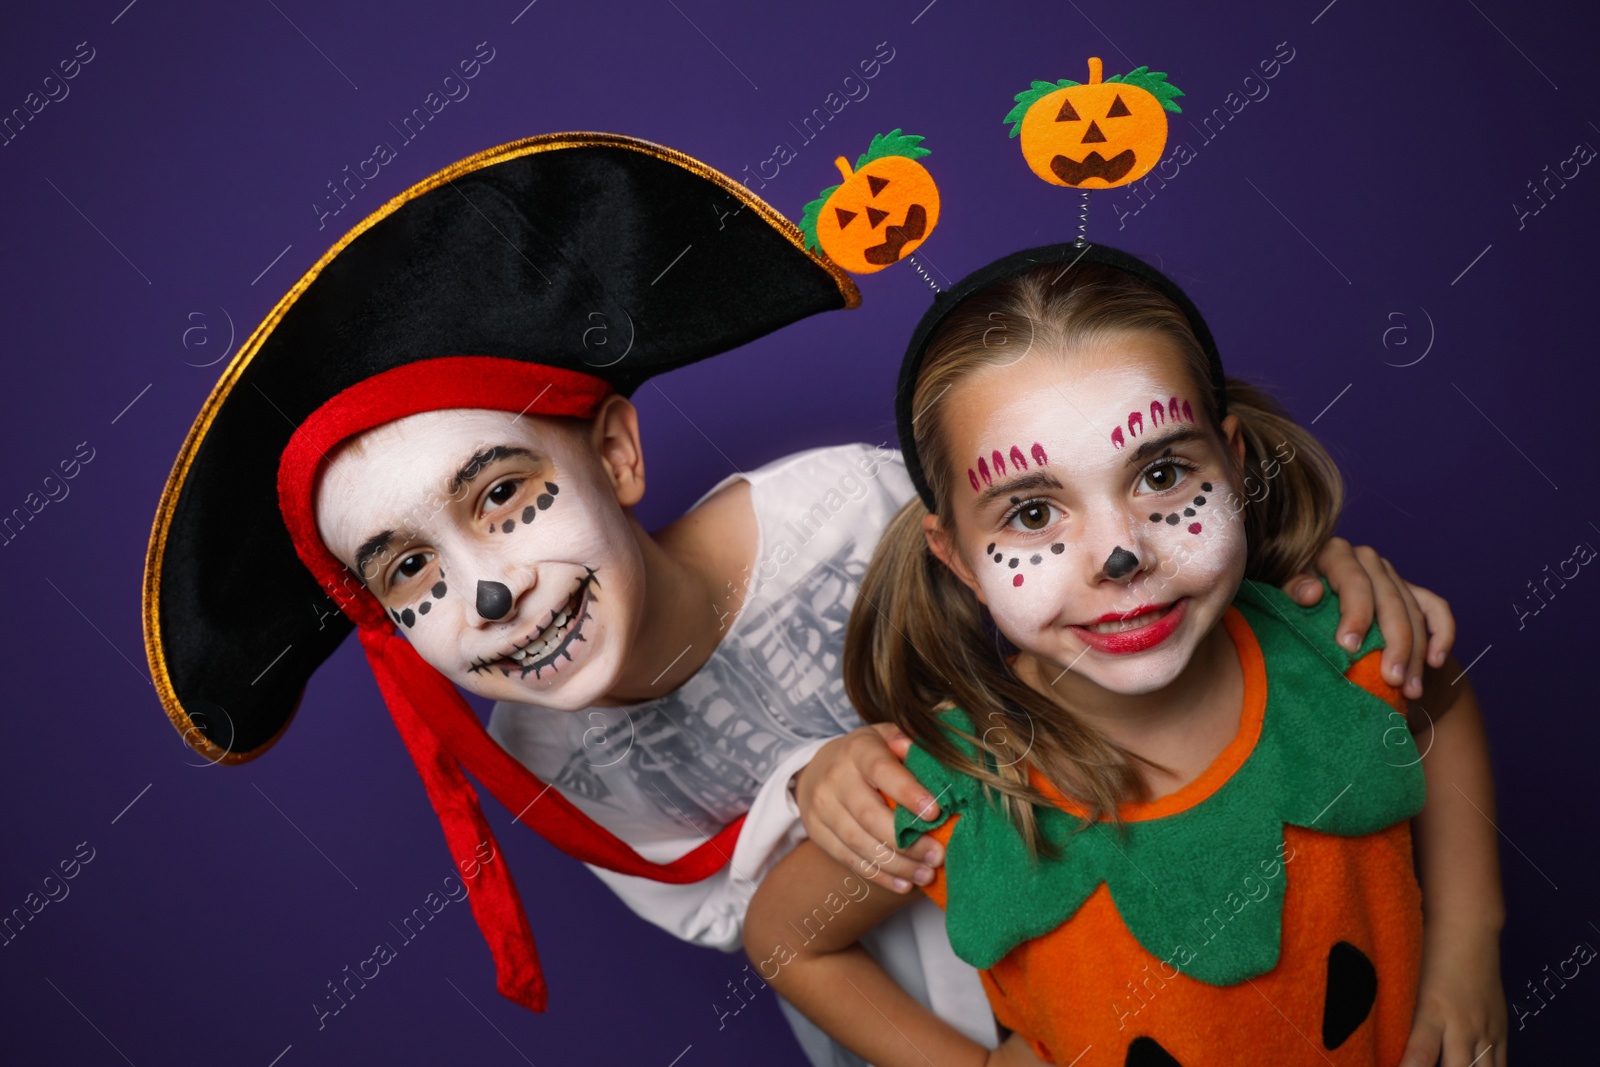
540, 650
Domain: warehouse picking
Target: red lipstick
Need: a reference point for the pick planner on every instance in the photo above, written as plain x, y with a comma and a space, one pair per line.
1140, 637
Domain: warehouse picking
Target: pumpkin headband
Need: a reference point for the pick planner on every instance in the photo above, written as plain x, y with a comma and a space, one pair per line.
496, 283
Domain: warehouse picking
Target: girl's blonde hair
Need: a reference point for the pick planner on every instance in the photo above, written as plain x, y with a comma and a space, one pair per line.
919, 642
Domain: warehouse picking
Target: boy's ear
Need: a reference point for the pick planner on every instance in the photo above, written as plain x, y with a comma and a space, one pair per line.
944, 550
615, 439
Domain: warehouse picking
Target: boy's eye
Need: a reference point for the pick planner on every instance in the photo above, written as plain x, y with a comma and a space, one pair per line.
502, 493
1163, 476
1034, 515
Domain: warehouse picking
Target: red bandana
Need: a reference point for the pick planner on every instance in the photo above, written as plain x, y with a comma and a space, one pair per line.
439, 728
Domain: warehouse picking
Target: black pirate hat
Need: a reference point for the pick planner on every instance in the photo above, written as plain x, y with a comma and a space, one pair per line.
564, 266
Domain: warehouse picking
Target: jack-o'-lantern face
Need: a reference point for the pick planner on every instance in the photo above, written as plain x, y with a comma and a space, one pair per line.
1095, 136
880, 212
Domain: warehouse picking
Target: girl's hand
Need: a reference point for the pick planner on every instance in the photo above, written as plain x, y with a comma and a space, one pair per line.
840, 795
1417, 624
1015, 1052
1461, 1007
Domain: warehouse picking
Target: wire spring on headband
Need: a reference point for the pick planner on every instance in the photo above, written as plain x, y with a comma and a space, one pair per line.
925, 275
1083, 218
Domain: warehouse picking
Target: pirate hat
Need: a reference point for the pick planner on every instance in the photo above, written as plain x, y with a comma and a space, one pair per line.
536, 277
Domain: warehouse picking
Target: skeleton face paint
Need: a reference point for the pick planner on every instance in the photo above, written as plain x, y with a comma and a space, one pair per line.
1073, 550
490, 540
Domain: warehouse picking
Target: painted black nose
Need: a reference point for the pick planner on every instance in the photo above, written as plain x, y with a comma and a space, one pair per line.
494, 600
1119, 563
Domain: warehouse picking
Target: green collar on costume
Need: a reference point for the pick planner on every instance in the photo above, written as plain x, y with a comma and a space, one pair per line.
1331, 757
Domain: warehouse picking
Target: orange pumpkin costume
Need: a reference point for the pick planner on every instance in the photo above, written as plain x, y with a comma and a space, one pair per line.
1265, 913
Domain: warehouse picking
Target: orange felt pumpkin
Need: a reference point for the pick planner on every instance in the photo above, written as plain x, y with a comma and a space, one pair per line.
1095, 136
880, 212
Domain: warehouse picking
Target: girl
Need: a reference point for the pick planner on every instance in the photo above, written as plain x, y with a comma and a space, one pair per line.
1126, 801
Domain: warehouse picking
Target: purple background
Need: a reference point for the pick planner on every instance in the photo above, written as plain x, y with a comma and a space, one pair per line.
1371, 191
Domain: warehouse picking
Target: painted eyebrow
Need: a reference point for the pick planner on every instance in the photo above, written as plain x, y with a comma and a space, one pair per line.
371, 547
1175, 437
481, 459
1034, 480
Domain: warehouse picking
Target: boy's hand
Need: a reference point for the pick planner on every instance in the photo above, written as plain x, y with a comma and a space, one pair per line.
840, 795
1461, 1007
1417, 624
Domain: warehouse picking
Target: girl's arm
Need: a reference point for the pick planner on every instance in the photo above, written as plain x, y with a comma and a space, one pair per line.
1461, 1007
801, 933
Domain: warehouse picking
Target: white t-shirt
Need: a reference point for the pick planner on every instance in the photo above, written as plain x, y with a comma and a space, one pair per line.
666, 773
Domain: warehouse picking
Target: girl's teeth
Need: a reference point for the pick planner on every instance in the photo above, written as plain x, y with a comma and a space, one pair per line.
1118, 625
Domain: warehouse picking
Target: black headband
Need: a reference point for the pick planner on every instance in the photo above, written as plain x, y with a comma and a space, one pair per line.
1069, 256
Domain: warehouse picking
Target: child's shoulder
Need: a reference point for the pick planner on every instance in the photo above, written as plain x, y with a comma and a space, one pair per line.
1280, 624
847, 470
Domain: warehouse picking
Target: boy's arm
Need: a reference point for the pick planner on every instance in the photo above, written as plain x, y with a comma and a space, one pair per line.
801, 933
1461, 1007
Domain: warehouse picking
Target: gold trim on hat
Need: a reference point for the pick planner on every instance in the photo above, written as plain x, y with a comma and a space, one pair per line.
180, 718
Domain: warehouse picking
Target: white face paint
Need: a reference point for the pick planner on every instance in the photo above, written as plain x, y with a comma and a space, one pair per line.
1084, 488
508, 562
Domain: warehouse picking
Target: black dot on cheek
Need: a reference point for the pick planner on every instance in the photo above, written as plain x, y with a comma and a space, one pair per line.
508, 526
424, 607
1199, 500
552, 488
408, 617
544, 501
998, 557
1205, 486
396, 615
529, 512
1155, 516
1058, 548
439, 590
1172, 520
1035, 559
990, 550
1014, 562
1188, 512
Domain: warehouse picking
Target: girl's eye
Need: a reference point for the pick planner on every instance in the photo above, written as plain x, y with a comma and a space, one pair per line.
1033, 515
502, 493
411, 566
1163, 476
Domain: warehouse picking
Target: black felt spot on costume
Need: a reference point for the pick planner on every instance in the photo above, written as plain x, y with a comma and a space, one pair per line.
408, 617
424, 607
544, 501
1352, 990
1147, 1052
529, 512
1172, 520
439, 590
494, 600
